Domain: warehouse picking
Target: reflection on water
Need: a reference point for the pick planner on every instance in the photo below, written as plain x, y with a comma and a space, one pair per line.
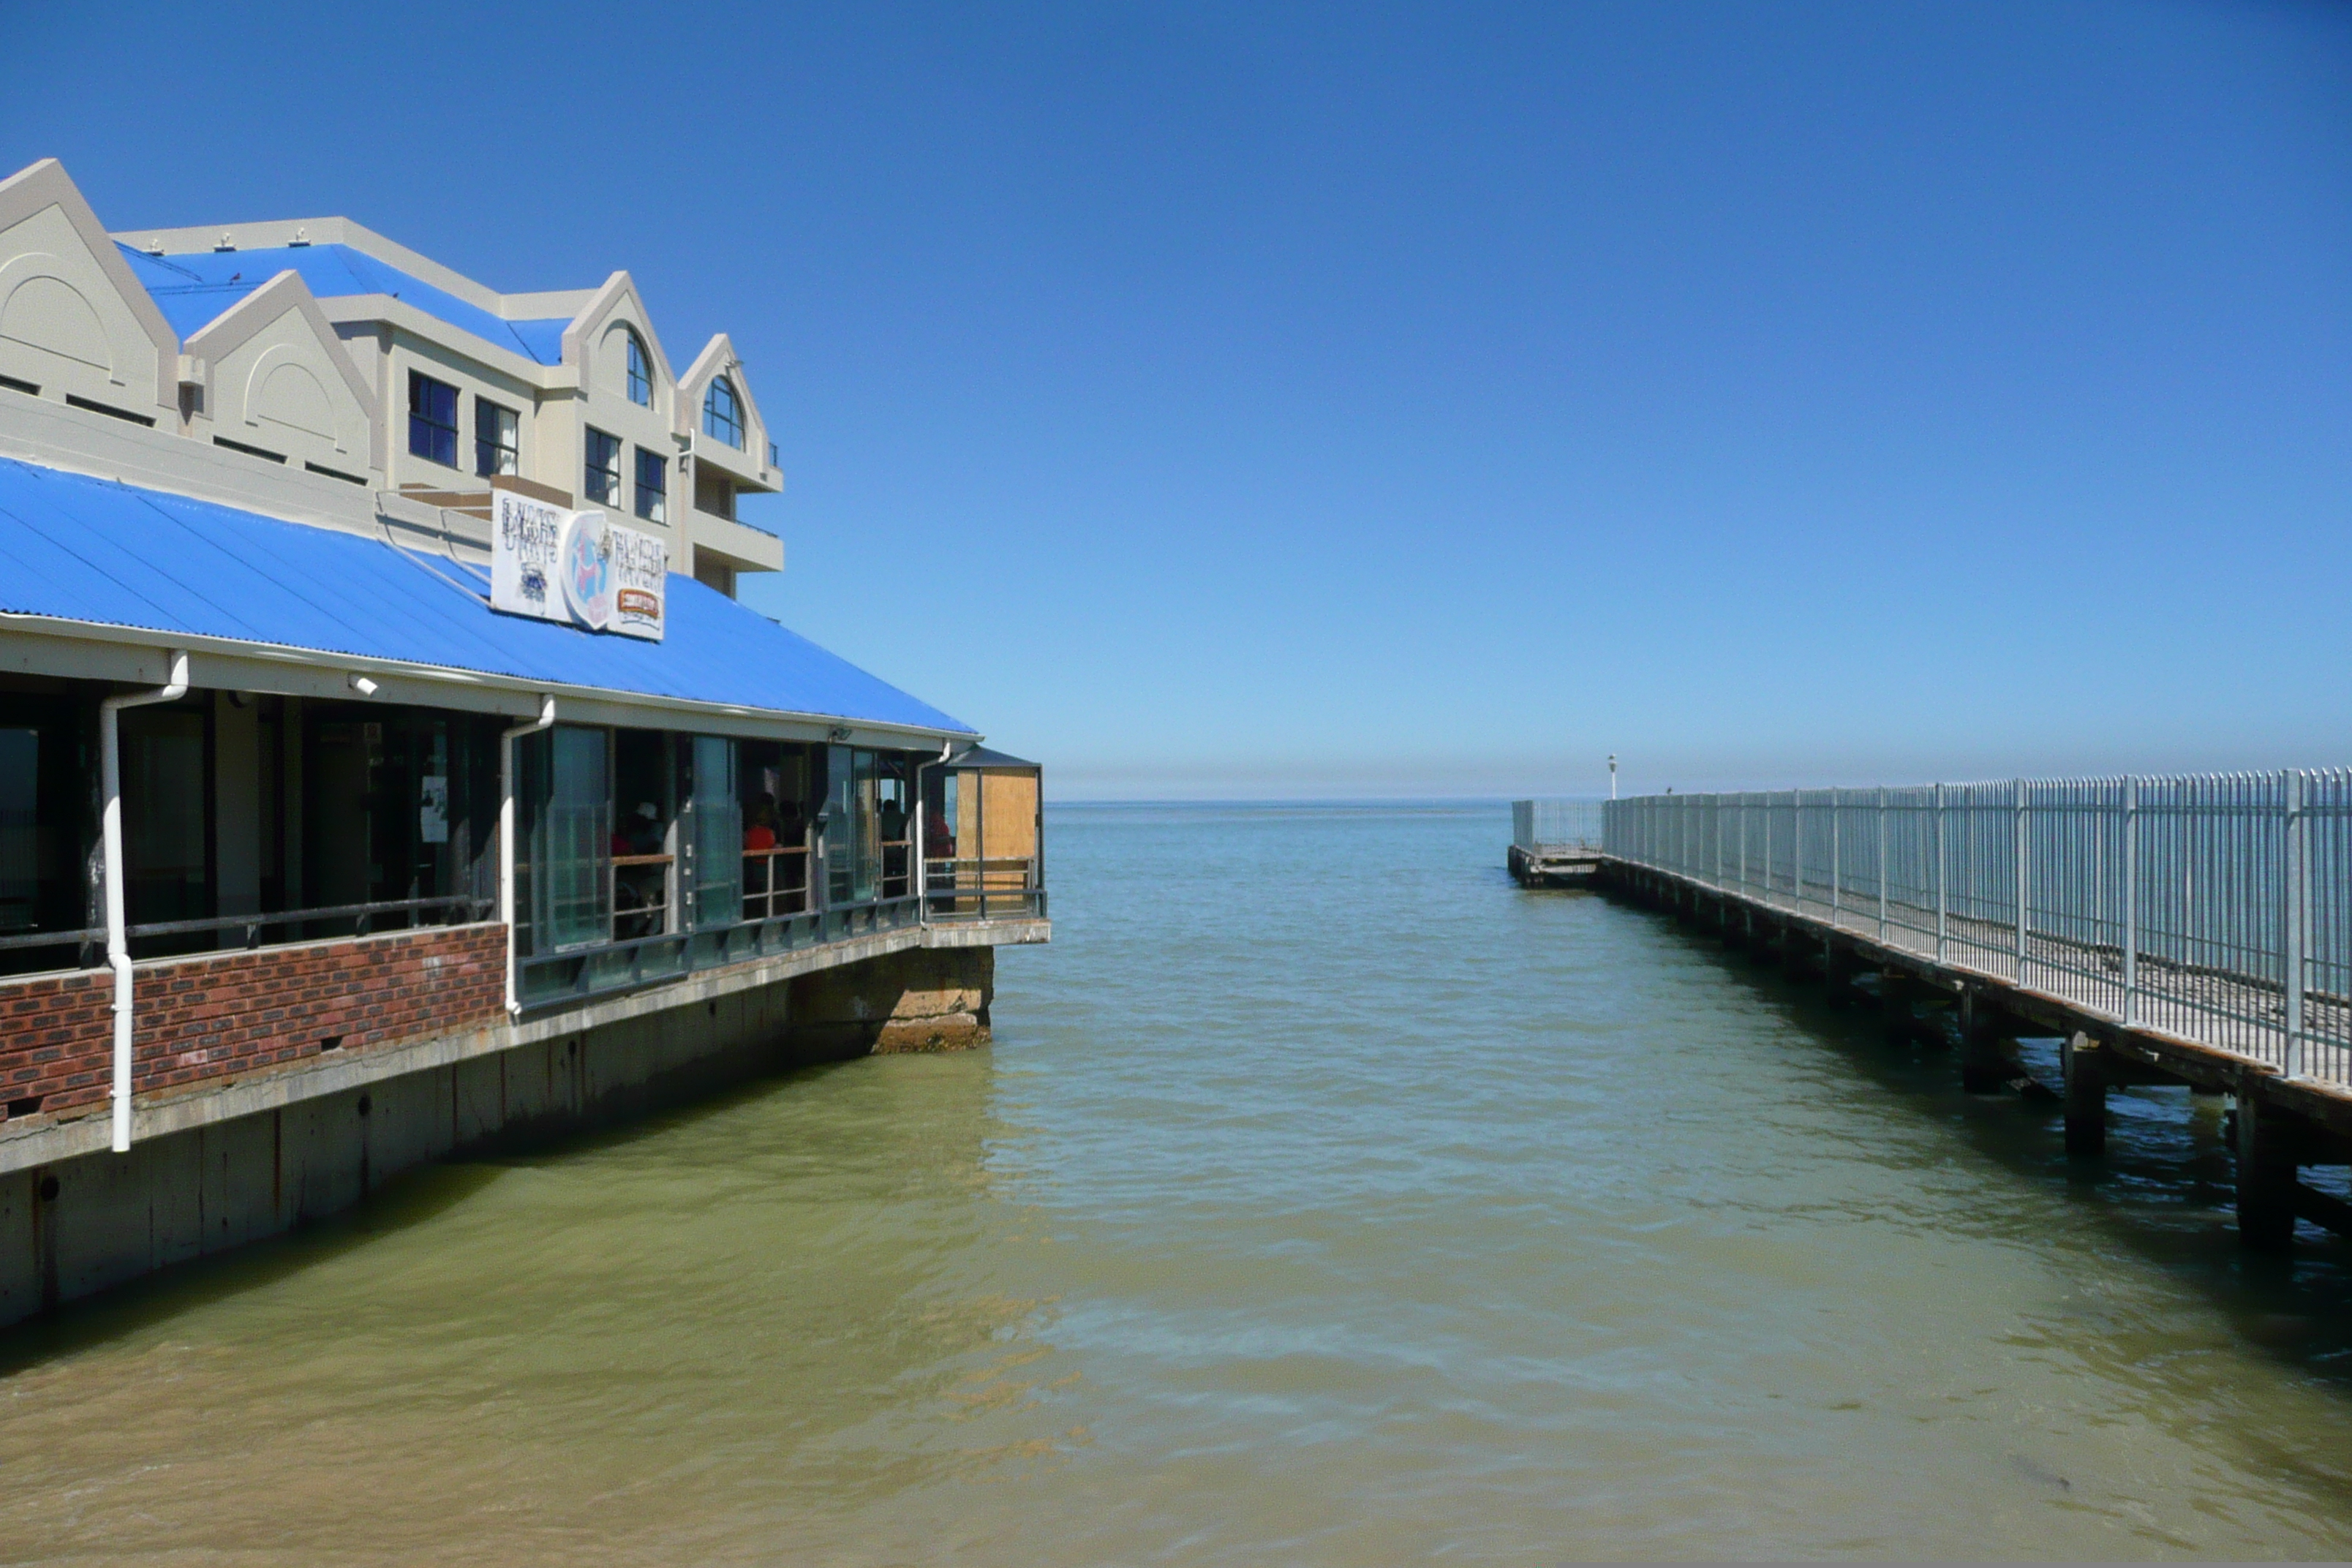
1340, 1205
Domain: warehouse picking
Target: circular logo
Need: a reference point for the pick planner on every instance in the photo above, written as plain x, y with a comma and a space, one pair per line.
586, 567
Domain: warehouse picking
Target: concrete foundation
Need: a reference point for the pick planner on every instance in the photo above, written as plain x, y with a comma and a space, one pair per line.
75, 1226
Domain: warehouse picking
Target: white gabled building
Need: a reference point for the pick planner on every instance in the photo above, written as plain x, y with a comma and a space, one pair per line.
318, 358
385, 760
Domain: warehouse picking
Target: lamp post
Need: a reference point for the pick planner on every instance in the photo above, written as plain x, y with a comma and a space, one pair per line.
1612, 775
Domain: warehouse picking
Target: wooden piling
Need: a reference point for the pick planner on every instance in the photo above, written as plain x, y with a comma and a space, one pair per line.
2085, 1067
2266, 1178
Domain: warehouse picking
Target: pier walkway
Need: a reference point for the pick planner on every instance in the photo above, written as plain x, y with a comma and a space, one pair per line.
2173, 930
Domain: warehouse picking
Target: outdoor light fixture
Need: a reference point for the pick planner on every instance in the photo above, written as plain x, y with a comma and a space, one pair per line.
362, 685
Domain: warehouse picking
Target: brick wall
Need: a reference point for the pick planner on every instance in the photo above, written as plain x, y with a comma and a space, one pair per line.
231, 1012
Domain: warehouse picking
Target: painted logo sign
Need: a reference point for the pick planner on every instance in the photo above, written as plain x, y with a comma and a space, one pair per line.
579, 568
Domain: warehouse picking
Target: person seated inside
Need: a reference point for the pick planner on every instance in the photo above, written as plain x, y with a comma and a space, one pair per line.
761, 833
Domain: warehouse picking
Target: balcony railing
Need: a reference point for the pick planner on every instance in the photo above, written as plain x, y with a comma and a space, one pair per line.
983, 889
775, 882
89, 944
778, 917
627, 964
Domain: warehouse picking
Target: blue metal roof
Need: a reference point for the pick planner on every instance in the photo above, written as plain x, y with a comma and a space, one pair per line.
82, 548
192, 290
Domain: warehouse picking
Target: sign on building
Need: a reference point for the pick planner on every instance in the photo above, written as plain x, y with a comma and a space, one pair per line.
579, 568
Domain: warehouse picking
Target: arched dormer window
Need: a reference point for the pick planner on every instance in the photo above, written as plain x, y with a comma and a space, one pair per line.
641, 374
722, 412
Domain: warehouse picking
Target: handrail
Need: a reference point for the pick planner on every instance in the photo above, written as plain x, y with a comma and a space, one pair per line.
2217, 908
254, 922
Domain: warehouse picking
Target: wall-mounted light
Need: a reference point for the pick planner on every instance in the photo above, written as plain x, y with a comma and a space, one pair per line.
362, 685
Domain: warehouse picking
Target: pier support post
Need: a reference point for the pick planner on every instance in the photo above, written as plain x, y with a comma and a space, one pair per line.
1985, 1068
1838, 967
2266, 1164
1794, 959
2086, 1095
1895, 995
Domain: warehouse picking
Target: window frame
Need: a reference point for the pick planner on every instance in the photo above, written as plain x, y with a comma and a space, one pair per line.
639, 376
421, 422
737, 428
658, 492
590, 472
512, 448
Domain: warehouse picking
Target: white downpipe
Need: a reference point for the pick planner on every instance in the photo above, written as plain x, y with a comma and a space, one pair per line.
546, 720
118, 939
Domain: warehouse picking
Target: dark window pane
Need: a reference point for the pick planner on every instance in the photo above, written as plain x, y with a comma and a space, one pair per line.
641, 382
431, 418
495, 447
722, 414
653, 484
603, 482
718, 835
20, 858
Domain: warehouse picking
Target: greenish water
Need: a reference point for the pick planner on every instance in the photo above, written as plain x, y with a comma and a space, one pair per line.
1325, 1200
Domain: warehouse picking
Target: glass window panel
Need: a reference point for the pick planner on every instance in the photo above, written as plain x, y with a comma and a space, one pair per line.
163, 816
431, 418
641, 380
604, 468
570, 838
722, 414
839, 836
496, 448
868, 882
20, 845
718, 818
653, 484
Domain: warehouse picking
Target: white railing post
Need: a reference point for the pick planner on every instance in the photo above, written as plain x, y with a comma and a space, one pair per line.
1882, 863
2019, 857
2131, 902
2295, 917
1836, 872
1797, 851
1940, 877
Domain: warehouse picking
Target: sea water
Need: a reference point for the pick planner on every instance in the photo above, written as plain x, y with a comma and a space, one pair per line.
1324, 1199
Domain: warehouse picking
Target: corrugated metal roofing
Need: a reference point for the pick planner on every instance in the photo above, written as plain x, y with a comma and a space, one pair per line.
192, 290
82, 548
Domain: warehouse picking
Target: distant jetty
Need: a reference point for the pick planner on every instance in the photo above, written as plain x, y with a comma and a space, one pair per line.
1555, 843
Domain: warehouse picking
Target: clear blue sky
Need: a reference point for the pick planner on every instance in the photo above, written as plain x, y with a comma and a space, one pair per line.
1348, 400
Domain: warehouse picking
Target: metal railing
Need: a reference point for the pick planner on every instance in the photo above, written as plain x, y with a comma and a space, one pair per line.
2217, 908
778, 920
90, 943
1557, 824
983, 889
606, 968
775, 882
